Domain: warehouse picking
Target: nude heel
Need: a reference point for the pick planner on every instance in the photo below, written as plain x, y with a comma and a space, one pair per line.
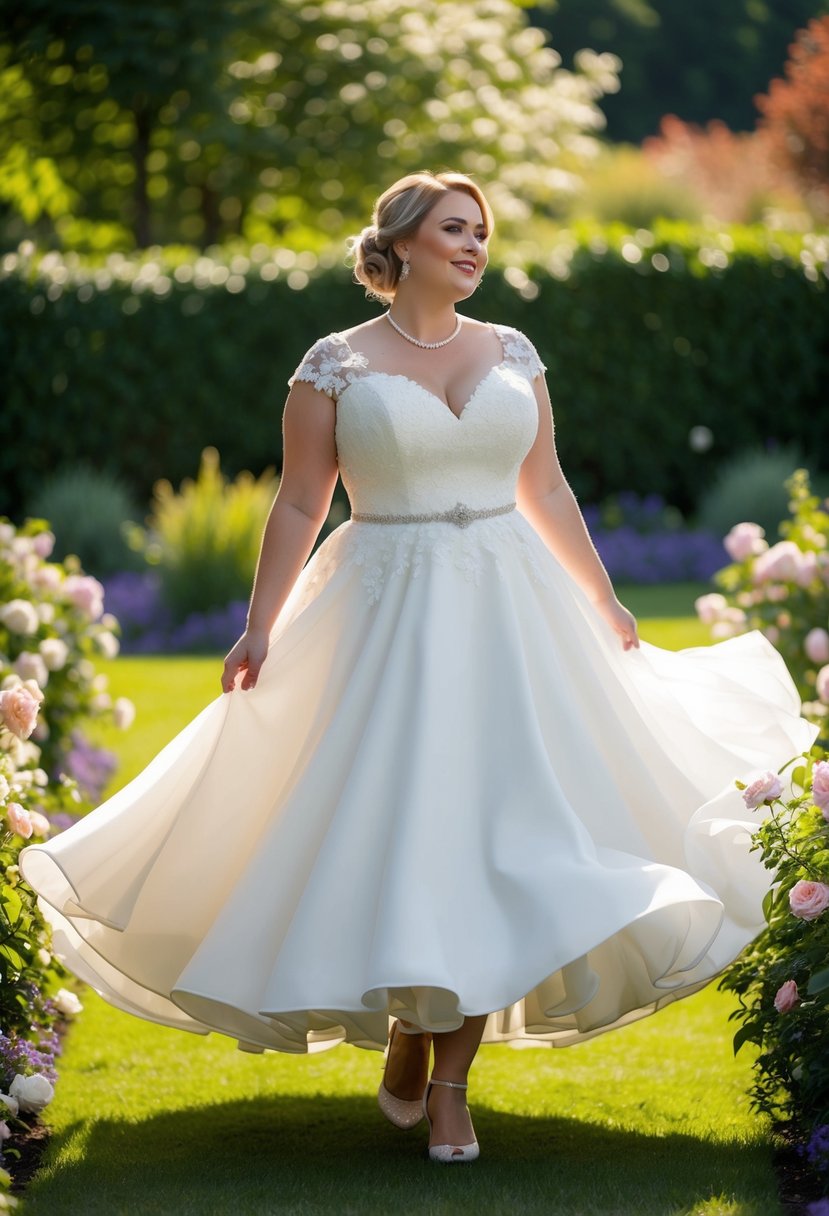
448, 1153
402, 1113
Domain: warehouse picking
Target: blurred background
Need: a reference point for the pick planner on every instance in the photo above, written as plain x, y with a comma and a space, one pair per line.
177, 180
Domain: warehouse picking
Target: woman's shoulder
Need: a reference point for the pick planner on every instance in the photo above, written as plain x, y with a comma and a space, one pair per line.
329, 364
519, 350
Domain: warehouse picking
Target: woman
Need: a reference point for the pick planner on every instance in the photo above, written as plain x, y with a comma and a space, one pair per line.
447, 786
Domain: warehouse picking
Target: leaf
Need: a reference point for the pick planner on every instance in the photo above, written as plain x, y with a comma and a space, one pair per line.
768, 905
746, 1034
819, 982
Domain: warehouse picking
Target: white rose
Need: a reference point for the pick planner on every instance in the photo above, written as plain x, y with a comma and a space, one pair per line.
30, 666
44, 957
20, 616
123, 713
101, 702
32, 1093
55, 652
6, 533
11, 1103
40, 777
46, 612
67, 1003
4, 788
108, 644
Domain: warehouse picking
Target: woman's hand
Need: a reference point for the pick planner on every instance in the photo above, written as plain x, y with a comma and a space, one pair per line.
619, 619
247, 655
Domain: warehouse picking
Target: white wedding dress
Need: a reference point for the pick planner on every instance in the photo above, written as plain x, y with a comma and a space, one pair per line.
452, 792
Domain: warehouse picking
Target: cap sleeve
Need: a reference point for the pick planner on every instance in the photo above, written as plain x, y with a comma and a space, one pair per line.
329, 365
519, 351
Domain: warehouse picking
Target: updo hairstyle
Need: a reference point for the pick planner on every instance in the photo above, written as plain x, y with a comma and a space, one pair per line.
398, 213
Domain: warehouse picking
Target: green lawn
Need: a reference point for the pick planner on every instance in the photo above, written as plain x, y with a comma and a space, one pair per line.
651, 1120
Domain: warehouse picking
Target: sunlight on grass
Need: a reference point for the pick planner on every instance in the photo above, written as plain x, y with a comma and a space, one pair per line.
651, 1120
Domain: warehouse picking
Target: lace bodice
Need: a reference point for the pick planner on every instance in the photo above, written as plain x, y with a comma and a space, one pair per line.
401, 449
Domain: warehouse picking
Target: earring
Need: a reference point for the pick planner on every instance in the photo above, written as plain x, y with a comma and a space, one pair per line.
404, 271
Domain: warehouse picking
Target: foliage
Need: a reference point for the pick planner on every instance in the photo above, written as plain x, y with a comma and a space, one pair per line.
52, 627
88, 509
796, 114
732, 176
782, 590
750, 485
701, 61
136, 364
195, 121
205, 539
782, 979
621, 184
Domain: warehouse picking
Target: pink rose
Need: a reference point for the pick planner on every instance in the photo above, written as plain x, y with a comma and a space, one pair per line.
709, 607
764, 788
822, 685
808, 571
787, 997
18, 710
40, 824
43, 544
745, 540
86, 593
808, 899
781, 561
816, 646
820, 786
20, 820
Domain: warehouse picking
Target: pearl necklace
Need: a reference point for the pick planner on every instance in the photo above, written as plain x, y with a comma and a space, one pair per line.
417, 342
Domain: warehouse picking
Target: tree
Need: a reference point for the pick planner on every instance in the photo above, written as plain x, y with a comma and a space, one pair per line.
701, 61
795, 112
194, 120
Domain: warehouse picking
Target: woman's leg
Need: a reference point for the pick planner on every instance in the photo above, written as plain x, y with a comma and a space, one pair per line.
407, 1064
454, 1052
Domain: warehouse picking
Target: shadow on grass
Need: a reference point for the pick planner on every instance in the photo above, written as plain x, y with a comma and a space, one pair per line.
337, 1155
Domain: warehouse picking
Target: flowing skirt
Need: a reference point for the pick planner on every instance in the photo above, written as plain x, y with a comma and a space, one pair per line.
451, 793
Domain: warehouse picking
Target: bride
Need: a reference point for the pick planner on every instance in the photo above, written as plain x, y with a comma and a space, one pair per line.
464, 800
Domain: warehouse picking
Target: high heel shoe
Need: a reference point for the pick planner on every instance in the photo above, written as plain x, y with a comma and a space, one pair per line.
448, 1153
402, 1113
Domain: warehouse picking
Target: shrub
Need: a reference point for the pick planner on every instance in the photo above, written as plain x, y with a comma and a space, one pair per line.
752, 485
205, 539
136, 365
782, 978
88, 509
52, 626
783, 590
624, 185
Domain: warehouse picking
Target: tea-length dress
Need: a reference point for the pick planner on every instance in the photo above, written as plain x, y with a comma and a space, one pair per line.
451, 792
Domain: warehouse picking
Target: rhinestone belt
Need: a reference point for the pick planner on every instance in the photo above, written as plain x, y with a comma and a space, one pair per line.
460, 515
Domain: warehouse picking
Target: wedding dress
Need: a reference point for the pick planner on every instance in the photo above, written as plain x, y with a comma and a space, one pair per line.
452, 791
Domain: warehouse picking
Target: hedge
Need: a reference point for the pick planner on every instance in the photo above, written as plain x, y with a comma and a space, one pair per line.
137, 364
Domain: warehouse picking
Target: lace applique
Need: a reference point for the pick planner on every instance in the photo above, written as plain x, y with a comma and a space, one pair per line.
387, 551
519, 351
330, 365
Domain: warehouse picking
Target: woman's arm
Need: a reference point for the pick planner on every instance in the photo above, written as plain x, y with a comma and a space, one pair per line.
546, 500
309, 475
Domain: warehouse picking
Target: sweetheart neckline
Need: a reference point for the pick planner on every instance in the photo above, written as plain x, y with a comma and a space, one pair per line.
444, 404
408, 379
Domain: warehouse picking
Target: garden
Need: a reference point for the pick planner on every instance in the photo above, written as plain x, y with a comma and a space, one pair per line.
176, 183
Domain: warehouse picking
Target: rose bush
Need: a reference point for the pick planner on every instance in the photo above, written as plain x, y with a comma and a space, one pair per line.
52, 627
782, 589
782, 978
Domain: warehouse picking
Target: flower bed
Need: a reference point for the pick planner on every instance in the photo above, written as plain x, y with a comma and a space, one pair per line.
782, 978
52, 628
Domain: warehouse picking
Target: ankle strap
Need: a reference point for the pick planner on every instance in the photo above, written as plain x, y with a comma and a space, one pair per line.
451, 1084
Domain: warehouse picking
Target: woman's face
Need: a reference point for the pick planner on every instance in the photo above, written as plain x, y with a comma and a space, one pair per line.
449, 248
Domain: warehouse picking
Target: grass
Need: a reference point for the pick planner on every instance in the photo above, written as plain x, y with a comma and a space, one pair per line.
651, 1120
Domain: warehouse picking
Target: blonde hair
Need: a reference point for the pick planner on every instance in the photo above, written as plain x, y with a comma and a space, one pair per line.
398, 213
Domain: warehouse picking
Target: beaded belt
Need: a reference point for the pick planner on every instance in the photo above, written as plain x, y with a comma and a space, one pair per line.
460, 515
